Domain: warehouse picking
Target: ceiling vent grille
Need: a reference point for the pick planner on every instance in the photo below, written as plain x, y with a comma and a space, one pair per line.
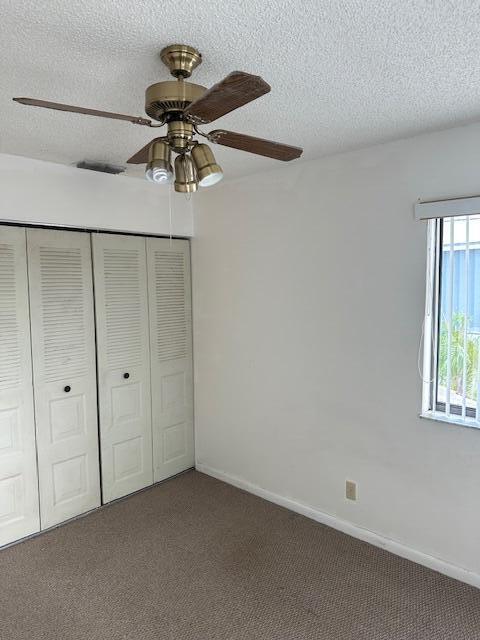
100, 166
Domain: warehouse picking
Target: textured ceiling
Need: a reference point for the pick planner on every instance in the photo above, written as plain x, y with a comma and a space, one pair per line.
344, 73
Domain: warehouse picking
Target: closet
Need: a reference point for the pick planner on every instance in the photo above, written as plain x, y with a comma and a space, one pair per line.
168, 268
63, 354
96, 391
121, 305
19, 515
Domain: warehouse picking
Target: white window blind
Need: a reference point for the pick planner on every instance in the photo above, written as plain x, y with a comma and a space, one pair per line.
447, 208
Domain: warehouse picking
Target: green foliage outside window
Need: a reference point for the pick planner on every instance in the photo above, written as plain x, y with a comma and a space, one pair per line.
459, 350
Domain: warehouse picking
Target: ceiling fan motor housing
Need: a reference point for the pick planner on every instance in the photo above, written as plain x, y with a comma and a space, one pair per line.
165, 97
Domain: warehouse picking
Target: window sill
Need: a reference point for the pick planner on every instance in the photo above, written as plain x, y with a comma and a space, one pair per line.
458, 421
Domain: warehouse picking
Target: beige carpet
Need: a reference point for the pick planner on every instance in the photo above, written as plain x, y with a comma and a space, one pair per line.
197, 559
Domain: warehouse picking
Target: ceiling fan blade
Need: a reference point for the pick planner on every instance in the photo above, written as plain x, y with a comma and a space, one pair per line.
259, 146
141, 157
235, 90
88, 112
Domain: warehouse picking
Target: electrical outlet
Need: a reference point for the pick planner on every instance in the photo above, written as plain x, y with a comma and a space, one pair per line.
350, 490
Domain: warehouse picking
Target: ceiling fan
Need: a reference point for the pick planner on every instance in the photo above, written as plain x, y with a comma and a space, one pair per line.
183, 107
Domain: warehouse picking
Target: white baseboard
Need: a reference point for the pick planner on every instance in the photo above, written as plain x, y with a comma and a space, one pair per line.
448, 569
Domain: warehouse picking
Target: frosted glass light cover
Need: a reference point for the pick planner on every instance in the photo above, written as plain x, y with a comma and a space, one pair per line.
211, 179
159, 175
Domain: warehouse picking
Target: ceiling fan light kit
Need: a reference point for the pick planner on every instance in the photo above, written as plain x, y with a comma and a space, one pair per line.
183, 106
208, 171
159, 166
185, 174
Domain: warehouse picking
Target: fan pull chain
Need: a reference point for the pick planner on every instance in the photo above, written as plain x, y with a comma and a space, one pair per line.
170, 187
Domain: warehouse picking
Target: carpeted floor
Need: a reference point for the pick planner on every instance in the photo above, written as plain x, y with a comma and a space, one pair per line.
196, 559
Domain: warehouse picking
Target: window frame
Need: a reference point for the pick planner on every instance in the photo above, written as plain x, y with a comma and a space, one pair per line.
431, 407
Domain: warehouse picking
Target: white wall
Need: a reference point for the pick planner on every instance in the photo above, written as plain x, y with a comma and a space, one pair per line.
308, 304
32, 191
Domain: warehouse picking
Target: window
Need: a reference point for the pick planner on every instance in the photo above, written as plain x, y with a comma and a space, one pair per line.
451, 371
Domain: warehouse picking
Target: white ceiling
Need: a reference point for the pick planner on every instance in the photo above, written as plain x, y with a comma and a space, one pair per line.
344, 73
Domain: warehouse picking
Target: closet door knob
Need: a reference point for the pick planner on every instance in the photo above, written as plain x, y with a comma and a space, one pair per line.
67, 388
126, 376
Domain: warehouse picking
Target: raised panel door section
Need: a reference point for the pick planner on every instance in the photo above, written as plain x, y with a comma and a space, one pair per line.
121, 310
19, 513
168, 266
63, 341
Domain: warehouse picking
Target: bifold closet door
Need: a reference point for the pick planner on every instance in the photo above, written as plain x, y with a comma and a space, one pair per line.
121, 310
64, 372
168, 266
19, 515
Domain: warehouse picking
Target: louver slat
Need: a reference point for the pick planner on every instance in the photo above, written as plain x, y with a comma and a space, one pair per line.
123, 307
62, 294
171, 338
10, 350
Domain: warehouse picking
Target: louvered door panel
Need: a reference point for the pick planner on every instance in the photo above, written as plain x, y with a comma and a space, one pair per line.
63, 340
168, 266
19, 513
121, 310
